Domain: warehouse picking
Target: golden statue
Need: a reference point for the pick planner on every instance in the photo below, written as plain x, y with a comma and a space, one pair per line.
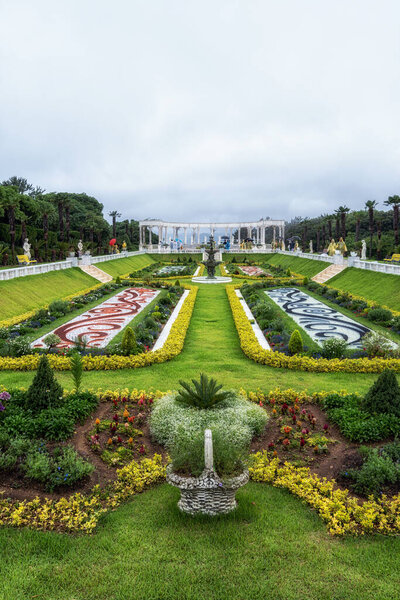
341, 246
124, 245
332, 247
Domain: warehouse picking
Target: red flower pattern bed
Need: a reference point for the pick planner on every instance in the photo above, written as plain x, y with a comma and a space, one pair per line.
253, 271
101, 323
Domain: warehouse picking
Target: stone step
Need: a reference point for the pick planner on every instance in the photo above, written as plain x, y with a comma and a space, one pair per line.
328, 273
96, 273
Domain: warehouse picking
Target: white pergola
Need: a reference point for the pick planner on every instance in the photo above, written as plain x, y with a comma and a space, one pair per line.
191, 233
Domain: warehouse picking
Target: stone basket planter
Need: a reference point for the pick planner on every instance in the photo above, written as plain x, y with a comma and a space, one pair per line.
207, 494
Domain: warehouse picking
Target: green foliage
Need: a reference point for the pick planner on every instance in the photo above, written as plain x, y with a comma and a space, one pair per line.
289, 273
381, 467
295, 342
306, 281
334, 348
45, 391
204, 394
63, 466
129, 344
76, 369
384, 396
59, 306
118, 280
380, 315
356, 423
376, 344
177, 283
51, 340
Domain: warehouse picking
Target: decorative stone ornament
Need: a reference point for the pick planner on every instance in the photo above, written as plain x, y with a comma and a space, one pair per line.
207, 494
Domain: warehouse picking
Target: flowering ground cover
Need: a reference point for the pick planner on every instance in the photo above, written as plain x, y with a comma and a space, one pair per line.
252, 271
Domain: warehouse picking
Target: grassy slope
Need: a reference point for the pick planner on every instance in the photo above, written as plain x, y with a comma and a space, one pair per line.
303, 266
211, 346
122, 266
379, 287
272, 546
20, 295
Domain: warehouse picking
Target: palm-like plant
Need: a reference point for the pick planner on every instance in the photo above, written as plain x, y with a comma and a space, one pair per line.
370, 205
204, 393
394, 201
341, 212
114, 214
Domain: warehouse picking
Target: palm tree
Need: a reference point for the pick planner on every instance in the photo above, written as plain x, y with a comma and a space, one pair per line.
46, 211
341, 213
10, 204
370, 205
395, 202
114, 214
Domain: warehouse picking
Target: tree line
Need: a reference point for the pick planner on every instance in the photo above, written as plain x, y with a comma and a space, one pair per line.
379, 228
54, 222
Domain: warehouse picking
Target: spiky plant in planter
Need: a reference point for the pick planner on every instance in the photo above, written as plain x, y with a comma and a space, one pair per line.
204, 393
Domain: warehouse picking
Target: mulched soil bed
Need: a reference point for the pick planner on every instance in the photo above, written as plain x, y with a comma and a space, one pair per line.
118, 432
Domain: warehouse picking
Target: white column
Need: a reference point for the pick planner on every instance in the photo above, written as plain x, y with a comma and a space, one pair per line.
240, 227
185, 236
274, 234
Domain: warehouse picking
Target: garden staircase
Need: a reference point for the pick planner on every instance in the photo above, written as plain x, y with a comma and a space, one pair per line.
96, 273
328, 273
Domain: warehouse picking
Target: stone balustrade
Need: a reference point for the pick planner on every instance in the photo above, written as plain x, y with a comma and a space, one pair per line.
37, 269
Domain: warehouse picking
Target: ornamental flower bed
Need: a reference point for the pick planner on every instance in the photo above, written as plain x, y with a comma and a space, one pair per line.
172, 347
80, 512
253, 350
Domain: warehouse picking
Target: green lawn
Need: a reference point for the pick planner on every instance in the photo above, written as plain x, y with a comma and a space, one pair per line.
303, 266
211, 346
122, 266
272, 546
23, 294
379, 287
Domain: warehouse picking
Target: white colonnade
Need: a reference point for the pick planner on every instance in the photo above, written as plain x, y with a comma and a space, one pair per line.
193, 234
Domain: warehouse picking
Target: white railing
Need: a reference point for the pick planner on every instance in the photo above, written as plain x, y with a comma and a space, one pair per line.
106, 257
37, 269
375, 266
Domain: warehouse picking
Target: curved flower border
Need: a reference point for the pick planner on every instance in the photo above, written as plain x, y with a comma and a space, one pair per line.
252, 349
172, 347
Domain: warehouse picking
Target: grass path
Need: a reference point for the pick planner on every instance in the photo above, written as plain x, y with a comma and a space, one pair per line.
272, 546
211, 346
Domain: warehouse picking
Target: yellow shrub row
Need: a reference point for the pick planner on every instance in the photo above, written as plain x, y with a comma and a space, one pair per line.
342, 512
80, 513
289, 396
252, 349
172, 347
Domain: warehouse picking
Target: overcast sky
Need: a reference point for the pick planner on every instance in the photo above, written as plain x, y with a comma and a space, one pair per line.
203, 110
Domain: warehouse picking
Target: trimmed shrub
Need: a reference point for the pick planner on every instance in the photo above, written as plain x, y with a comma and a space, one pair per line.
334, 348
45, 391
384, 396
295, 342
129, 344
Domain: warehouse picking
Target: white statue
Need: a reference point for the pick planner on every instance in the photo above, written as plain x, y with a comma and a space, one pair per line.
27, 249
363, 250
311, 247
80, 247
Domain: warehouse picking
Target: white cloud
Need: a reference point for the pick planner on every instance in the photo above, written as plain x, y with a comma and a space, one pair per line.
203, 110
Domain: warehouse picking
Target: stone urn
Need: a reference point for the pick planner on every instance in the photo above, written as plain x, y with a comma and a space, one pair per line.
207, 494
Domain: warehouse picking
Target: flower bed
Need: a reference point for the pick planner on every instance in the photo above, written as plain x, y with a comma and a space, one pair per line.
253, 350
172, 347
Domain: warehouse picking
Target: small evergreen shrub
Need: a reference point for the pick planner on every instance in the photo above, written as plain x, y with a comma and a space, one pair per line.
118, 280
51, 340
76, 369
295, 342
59, 306
380, 315
45, 391
288, 273
384, 396
129, 344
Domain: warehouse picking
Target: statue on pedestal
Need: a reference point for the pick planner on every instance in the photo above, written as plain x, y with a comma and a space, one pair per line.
341, 246
332, 247
311, 247
363, 250
124, 245
27, 249
80, 248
